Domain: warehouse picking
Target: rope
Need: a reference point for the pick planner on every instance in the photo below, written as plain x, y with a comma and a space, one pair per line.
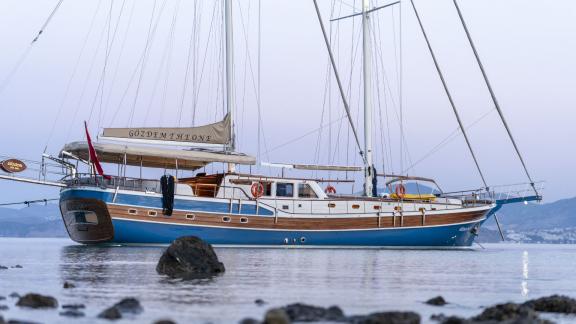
27, 52
493, 95
29, 202
449, 96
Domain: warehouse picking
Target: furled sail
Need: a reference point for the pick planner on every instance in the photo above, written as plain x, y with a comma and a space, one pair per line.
217, 133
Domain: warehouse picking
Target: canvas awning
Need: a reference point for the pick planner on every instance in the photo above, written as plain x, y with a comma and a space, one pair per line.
154, 157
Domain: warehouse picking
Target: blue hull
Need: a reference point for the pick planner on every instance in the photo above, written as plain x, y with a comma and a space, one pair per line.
135, 232
109, 229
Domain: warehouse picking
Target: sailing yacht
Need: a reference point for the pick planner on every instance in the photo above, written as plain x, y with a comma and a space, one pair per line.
244, 209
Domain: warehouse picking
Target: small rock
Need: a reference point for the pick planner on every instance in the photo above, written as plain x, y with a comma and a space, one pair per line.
307, 313
74, 306
276, 316
111, 313
13, 321
249, 321
72, 313
14, 295
2, 298
553, 304
189, 258
68, 285
388, 318
125, 306
165, 321
2, 320
129, 305
437, 301
4, 308
259, 302
17, 267
441, 318
37, 301
509, 312
3, 268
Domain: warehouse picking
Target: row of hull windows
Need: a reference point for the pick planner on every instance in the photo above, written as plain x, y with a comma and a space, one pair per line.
287, 190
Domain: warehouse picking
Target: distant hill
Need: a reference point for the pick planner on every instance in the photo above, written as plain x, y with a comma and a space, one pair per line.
33, 221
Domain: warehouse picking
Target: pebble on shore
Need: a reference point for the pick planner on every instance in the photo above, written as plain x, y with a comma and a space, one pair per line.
189, 258
72, 313
37, 301
68, 285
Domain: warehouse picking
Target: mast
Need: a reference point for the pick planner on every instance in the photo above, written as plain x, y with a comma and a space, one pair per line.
367, 64
228, 31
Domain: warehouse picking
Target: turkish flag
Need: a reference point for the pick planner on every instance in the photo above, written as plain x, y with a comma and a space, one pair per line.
93, 156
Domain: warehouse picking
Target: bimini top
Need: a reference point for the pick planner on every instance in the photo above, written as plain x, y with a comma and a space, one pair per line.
154, 157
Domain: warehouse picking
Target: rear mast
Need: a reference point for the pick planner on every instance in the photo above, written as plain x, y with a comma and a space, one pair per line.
367, 65
229, 47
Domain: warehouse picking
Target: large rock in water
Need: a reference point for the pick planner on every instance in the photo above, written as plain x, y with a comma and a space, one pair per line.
189, 258
308, 313
553, 304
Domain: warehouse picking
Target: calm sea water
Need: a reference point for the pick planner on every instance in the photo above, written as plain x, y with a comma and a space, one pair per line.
360, 281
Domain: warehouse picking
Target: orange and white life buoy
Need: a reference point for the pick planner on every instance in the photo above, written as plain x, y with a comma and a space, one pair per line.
330, 190
257, 190
400, 191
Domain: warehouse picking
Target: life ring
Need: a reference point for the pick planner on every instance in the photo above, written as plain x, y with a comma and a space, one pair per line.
400, 191
330, 190
257, 190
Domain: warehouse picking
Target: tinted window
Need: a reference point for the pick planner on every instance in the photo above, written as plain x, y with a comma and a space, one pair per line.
284, 190
305, 191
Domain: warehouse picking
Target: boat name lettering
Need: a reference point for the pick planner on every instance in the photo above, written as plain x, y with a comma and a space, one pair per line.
172, 136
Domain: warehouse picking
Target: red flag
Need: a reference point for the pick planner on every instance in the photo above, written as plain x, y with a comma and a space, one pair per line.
93, 157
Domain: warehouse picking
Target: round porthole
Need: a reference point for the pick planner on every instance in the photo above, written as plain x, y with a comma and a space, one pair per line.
244, 220
226, 219
302, 240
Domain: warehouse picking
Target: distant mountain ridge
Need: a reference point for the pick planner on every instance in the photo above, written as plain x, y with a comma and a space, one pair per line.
33, 221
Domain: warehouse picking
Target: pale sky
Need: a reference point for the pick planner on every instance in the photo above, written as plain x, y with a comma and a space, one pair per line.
528, 48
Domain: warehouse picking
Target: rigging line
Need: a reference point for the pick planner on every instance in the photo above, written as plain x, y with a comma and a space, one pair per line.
85, 85
245, 26
47, 21
452, 136
103, 113
100, 88
449, 96
164, 62
169, 62
191, 43
201, 78
317, 151
306, 134
143, 66
493, 95
72, 76
23, 57
120, 55
28, 202
342, 94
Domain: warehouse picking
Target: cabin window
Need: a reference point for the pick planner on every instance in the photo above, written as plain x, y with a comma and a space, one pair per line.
190, 216
83, 217
152, 213
305, 191
132, 212
284, 190
243, 220
355, 206
226, 219
376, 207
331, 205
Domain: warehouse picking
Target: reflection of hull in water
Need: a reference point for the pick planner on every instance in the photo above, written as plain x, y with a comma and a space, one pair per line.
98, 216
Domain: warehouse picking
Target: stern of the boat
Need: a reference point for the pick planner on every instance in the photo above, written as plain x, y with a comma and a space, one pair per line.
87, 220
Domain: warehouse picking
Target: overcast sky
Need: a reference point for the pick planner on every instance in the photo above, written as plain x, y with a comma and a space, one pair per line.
528, 48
